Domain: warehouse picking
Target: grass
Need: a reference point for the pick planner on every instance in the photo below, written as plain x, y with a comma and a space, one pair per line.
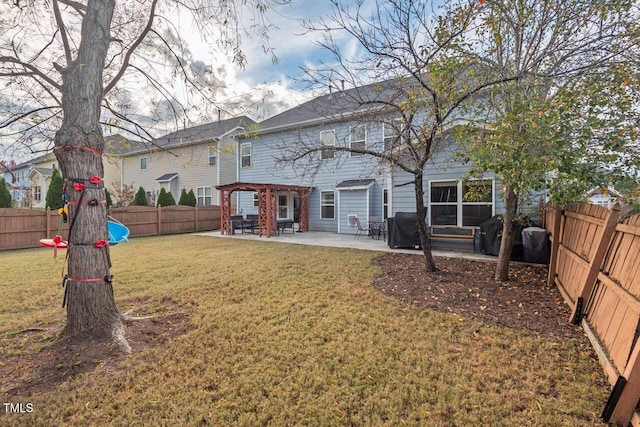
291, 335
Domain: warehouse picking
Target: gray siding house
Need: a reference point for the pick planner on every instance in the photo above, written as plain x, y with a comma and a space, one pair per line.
348, 185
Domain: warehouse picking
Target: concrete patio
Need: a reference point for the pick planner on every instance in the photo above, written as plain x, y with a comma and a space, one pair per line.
318, 238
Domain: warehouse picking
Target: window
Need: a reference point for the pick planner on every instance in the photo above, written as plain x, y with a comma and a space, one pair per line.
203, 196
444, 203
327, 205
37, 193
245, 155
467, 203
358, 139
255, 200
477, 202
213, 155
328, 142
391, 134
143, 163
385, 203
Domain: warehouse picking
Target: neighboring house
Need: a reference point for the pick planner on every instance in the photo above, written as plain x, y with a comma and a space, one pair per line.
32, 177
606, 197
196, 158
348, 184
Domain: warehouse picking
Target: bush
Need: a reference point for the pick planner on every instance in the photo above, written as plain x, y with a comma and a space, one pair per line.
107, 197
187, 199
141, 198
165, 198
5, 195
54, 199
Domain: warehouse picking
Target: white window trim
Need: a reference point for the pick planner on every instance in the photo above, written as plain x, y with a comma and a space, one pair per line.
322, 205
214, 149
242, 155
327, 147
146, 163
386, 125
363, 141
460, 202
204, 196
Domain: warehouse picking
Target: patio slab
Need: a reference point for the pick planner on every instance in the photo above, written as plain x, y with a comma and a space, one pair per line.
319, 238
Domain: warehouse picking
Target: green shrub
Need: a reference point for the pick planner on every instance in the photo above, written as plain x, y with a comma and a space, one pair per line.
141, 198
187, 199
165, 198
54, 193
5, 195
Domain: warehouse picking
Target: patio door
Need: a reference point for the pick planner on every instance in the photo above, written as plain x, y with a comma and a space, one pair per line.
283, 206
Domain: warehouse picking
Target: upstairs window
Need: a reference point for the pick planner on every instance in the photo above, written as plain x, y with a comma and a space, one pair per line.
213, 155
358, 139
245, 155
391, 134
328, 143
143, 163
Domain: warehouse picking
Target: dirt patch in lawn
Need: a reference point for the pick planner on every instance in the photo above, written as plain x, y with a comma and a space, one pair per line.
49, 358
468, 289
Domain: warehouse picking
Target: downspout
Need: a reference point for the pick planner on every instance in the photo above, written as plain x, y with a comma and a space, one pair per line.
337, 192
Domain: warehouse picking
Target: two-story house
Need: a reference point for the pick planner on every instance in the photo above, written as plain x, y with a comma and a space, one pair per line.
29, 181
196, 158
347, 184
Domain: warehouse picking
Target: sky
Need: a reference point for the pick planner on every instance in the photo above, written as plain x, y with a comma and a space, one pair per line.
271, 88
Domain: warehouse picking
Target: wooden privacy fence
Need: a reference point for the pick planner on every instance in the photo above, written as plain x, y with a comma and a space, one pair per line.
23, 228
595, 264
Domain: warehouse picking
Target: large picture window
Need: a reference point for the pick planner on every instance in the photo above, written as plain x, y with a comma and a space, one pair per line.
328, 143
358, 139
466, 203
327, 205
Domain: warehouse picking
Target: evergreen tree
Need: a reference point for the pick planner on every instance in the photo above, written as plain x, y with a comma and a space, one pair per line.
141, 198
5, 196
187, 199
107, 197
192, 198
183, 197
54, 193
165, 198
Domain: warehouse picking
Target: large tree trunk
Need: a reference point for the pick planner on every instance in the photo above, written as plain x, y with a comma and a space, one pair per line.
91, 308
508, 235
430, 264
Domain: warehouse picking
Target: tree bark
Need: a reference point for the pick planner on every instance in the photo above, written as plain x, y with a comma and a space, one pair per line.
421, 214
508, 235
91, 308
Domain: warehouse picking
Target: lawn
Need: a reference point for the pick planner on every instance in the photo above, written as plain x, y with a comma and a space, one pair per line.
251, 333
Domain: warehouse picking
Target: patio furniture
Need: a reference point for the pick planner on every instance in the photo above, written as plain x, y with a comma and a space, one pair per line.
285, 224
360, 229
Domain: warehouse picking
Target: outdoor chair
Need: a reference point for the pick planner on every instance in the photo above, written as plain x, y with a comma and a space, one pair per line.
360, 229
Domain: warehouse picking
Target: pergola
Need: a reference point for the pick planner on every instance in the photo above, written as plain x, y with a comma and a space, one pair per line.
267, 205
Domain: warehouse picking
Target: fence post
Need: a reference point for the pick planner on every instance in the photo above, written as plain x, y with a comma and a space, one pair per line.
48, 222
196, 221
159, 220
555, 246
628, 397
604, 239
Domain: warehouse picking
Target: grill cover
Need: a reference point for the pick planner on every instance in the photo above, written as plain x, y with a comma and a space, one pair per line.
403, 230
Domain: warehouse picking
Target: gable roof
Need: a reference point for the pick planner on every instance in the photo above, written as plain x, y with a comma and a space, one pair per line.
336, 106
193, 135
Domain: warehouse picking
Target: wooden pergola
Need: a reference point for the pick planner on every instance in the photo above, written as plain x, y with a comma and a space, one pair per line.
267, 205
